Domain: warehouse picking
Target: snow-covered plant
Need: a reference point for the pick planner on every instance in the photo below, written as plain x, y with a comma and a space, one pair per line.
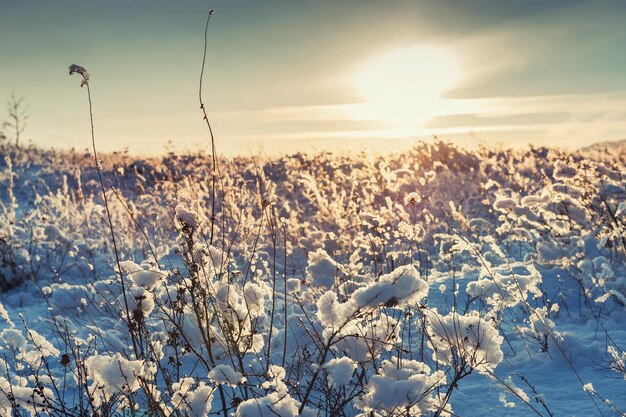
466, 342
283, 313
304, 285
617, 361
403, 387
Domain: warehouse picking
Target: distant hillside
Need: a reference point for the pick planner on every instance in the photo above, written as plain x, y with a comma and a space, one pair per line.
611, 145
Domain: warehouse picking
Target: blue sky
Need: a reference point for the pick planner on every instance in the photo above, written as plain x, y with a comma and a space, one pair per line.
285, 75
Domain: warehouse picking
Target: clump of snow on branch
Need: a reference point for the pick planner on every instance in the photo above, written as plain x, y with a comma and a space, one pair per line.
186, 217
114, 375
403, 387
192, 398
467, 337
225, 374
340, 370
401, 288
321, 269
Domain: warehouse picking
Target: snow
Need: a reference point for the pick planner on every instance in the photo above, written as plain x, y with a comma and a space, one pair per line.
13, 339
148, 279
294, 285
137, 299
406, 385
274, 404
321, 269
365, 340
36, 348
469, 337
278, 403
26, 397
500, 286
505, 204
255, 296
225, 374
436, 279
412, 198
191, 398
331, 313
340, 370
401, 288
111, 375
588, 387
618, 361
186, 216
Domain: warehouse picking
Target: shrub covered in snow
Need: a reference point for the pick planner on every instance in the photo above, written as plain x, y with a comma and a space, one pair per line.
322, 285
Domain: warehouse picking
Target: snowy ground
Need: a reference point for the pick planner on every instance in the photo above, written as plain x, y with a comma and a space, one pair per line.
433, 282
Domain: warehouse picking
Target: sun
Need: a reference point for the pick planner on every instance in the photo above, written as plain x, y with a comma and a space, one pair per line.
404, 87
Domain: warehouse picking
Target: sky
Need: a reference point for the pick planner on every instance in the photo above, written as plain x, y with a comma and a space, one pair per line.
286, 76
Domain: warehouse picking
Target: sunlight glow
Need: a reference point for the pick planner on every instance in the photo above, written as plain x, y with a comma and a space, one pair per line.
404, 88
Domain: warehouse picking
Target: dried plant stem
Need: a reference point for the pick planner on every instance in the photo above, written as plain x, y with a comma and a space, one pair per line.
285, 298
215, 172
129, 322
273, 234
215, 168
512, 390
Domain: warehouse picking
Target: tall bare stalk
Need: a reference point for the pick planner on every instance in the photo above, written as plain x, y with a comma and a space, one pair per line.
77, 69
215, 167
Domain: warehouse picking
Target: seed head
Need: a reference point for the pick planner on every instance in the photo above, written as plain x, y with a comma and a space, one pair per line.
82, 72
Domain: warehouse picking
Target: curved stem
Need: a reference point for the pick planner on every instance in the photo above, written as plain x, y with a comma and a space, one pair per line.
129, 323
215, 168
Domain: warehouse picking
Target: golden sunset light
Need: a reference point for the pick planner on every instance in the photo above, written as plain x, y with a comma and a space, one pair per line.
404, 87
323, 208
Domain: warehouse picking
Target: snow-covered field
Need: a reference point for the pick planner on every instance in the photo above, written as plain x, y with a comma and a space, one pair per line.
433, 282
